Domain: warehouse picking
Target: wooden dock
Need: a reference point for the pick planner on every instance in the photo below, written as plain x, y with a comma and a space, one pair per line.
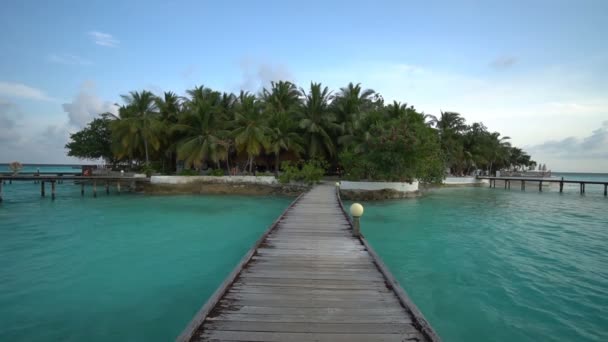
309, 279
104, 181
523, 180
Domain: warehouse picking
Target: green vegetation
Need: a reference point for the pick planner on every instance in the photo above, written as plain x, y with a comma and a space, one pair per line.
93, 142
216, 172
309, 132
15, 167
309, 172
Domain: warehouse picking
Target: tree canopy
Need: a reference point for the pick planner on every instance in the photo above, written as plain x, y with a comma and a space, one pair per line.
351, 130
92, 142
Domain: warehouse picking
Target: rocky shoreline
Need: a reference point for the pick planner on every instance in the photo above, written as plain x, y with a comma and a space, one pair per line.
207, 188
377, 195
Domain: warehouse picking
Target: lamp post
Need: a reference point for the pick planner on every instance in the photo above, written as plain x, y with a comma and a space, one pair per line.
356, 210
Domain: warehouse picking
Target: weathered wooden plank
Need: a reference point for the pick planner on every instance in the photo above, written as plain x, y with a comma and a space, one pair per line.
343, 317
340, 296
313, 327
314, 312
254, 336
236, 288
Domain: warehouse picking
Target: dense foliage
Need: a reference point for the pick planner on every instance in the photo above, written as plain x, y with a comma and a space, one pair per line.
351, 132
92, 142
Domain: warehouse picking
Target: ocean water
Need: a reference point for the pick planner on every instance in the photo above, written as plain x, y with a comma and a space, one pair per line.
120, 267
31, 168
500, 265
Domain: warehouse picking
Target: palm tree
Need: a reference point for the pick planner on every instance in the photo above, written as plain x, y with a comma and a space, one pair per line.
169, 108
318, 122
450, 126
500, 149
449, 122
281, 103
203, 134
143, 106
251, 132
349, 104
282, 98
126, 137
283, 137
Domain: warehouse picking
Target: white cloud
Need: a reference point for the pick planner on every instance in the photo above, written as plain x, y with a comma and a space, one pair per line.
103, 39
12, 89
9, 117
594, 145
68, 59
86, 106
257, 75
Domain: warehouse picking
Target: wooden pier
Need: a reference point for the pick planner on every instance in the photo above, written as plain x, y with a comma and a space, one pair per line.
308, 278
507, 182
82, 180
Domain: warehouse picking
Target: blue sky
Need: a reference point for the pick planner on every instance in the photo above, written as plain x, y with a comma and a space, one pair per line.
533, 70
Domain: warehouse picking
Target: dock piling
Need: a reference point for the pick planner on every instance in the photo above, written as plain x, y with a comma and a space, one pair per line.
94, 188
82, 189
42, 189
605, 190
523, 185
540, 186
53, 190
107, 188
561, 185
118, 187
0, 192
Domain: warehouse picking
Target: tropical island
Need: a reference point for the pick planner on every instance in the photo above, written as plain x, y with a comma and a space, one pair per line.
299, 133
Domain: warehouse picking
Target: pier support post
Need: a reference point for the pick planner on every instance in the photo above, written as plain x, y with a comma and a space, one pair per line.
42, 189
82, 188
53, 190
583, 184
94, 188
118, 186
509, 187
356, 210
107, 187
523, 185
605, 190
561, 185
0, 191
540, 186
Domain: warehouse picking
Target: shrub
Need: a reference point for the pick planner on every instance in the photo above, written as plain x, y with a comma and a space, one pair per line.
15, 167
188, 172
216, 172
310, 172
148, 170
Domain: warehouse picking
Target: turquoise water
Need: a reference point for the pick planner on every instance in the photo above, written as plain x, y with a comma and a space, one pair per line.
500, 265
31, 168
120, 267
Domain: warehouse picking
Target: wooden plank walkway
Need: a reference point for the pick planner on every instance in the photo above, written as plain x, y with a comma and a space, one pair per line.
309, 279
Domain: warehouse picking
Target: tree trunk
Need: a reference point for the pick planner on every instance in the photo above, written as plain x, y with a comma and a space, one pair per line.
146, 149
276, 164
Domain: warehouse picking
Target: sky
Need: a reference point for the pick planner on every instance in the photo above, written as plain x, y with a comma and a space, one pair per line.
536, 71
